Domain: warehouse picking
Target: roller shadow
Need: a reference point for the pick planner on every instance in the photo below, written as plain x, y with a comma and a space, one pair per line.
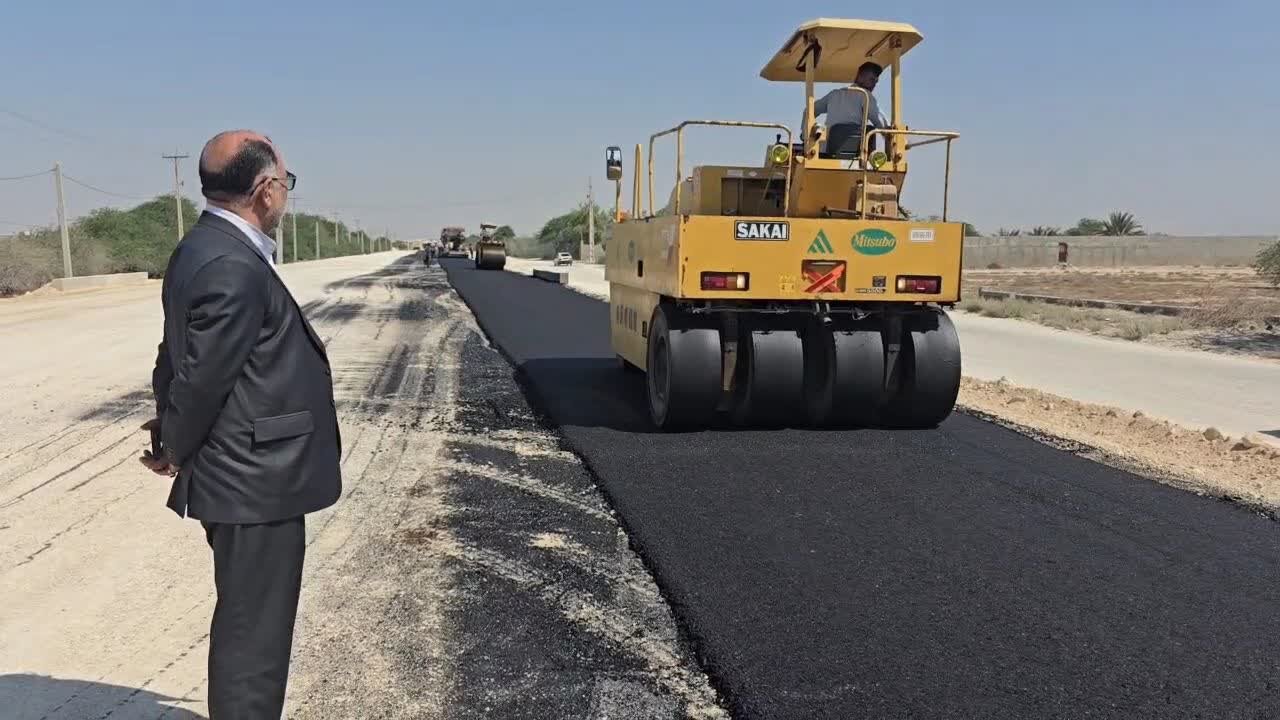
24, 696
587, 392
598, 393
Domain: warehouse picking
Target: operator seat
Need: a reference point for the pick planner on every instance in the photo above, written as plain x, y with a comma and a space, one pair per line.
844, 141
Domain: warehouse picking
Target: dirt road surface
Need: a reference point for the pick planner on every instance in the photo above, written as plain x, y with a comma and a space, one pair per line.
471, 569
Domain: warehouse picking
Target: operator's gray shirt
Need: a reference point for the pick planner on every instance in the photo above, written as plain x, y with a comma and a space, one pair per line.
843, 105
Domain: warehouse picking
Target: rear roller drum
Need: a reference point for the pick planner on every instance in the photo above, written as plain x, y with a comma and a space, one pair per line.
928, 372
768, 385
844, 374
683, 376
491, 258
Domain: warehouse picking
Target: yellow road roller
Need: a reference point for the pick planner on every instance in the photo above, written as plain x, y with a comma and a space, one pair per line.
795, 292
491, 253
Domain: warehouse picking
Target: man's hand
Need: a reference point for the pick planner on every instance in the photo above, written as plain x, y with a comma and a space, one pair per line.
157, 465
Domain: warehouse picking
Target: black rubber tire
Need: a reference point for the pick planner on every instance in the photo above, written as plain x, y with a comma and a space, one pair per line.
768, 387
844, 373
929, 372
683, 378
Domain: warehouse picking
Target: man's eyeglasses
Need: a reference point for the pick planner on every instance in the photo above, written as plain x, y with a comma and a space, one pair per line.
289, 181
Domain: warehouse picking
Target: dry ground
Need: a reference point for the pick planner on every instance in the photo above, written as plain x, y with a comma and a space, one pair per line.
471, 569
1233, 305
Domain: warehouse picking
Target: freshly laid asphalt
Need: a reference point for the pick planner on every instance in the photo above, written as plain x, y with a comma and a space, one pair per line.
966, 571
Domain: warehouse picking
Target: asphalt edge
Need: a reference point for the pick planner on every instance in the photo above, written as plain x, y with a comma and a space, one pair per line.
1119, 462
539, 405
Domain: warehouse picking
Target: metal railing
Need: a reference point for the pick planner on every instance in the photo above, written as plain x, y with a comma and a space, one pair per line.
937, 136
679, 133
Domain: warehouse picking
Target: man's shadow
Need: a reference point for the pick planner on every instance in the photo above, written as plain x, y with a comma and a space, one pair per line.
40, 697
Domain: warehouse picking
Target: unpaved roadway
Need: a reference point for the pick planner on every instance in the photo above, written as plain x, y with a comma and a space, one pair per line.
470, 570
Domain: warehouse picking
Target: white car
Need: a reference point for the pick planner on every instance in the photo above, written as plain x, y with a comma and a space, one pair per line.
563, 259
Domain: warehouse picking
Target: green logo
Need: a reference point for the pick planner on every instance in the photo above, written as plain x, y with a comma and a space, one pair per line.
873, 241
821, 245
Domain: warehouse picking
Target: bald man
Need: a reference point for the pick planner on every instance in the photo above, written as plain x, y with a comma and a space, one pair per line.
246, 419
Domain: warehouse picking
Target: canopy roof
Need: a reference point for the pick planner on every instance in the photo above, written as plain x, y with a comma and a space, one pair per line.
844, 46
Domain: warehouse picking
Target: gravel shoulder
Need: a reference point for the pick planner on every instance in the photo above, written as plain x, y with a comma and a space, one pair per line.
471, 569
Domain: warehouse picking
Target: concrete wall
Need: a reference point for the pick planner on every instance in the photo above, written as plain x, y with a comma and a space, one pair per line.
93, 282
584, 249
1028, 251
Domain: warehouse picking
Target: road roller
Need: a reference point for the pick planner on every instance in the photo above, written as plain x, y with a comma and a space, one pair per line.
491, 253
796, 292
453, 241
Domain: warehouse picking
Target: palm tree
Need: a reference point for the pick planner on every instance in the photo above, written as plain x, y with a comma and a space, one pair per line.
1005, 232
1122, 223
1045, 231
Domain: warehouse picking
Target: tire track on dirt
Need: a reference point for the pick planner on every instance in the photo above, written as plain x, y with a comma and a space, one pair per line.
357, 568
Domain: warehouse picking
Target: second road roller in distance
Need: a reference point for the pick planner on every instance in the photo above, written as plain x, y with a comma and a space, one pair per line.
797, 291
491, 253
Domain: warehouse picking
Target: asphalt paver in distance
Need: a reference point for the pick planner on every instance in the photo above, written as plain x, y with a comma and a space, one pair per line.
966, 571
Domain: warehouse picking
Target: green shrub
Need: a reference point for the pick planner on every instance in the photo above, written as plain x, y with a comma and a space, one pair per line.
1268, 264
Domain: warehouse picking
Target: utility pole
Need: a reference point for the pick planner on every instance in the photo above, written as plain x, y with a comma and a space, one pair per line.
62, 221
317, 237
177, 187
591, 225
335, 232
295, 227
280, 243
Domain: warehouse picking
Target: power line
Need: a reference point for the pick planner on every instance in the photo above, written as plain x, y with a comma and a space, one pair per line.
45, 126
450, 204
25, 177
10, 223
115, 144
84, 184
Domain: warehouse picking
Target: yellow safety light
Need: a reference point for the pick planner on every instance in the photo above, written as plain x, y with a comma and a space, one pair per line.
878, 158
780, 154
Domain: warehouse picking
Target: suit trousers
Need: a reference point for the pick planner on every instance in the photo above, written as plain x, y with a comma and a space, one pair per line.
258, 574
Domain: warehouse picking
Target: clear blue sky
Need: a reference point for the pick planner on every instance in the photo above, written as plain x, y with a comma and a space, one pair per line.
410, 115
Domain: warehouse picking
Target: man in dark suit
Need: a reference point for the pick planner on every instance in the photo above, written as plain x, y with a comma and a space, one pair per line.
246, 419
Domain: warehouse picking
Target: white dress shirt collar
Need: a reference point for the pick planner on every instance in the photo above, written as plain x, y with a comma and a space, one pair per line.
263, 242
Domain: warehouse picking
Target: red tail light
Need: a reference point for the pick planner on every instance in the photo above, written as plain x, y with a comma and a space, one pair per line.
919, 285
726, 281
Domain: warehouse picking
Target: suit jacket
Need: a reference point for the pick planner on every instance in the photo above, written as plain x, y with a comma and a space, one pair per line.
243, 388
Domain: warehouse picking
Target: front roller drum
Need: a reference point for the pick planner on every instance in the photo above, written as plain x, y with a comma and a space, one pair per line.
844, 373
683, 376
491, 258
768, 385
928, 372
